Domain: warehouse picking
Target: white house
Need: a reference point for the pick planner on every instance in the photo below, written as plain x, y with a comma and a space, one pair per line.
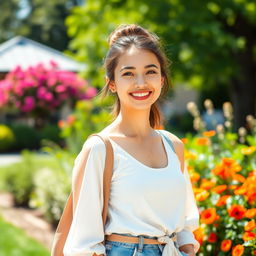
26, 52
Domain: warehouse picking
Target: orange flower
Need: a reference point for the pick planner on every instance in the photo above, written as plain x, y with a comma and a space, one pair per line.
239, 178
61, 123
212, 238
210, 133
219, 189
202, 195
226, 245
236, 211
250, 213
248, 189
71, 119
248, 150
232, 187
208, 216
247, 236
238, 250
194, 176
184, 140
222, 200
250, 225
190, 155
202, 141
227, 168
240, 190
207, 184
199, 235
252, 173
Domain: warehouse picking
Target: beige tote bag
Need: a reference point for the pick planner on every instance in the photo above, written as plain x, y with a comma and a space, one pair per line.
67, 215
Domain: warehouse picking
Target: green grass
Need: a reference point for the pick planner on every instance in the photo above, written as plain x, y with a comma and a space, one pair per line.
14, 242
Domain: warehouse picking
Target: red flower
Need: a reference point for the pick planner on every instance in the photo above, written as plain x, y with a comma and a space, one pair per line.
236, 211
212, 238
226, 245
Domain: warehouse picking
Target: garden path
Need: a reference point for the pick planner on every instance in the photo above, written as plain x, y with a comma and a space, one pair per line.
29, 220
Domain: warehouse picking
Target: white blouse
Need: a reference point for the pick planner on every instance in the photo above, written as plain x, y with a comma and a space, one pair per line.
143, 201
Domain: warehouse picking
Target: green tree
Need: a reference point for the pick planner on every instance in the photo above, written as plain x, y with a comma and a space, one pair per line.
211, 43
42, 21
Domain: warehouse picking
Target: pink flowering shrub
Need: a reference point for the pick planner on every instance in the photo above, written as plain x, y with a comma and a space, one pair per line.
38, 90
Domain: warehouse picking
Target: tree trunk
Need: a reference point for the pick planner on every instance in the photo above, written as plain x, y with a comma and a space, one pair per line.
243, 96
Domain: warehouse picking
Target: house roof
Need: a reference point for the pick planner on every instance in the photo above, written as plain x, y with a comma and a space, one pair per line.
26, 52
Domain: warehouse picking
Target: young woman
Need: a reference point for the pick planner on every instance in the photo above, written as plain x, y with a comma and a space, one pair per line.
152, 210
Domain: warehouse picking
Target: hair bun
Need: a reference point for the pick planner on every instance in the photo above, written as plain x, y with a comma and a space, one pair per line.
129, 30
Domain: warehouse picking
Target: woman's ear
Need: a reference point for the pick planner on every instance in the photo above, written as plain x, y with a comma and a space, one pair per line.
111, 84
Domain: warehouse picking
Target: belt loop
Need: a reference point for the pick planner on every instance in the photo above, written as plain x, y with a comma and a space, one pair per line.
141, 243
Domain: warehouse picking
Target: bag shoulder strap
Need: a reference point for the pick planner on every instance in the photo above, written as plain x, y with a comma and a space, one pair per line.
107, 175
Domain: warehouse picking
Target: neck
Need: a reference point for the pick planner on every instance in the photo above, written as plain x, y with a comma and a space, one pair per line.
133, 123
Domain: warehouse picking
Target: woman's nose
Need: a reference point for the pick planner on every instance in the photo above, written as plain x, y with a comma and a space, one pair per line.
140, 80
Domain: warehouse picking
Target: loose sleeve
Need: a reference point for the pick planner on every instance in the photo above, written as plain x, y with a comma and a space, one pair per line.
186, 236
86, 233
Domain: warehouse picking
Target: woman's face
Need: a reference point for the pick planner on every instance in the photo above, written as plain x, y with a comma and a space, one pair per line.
137, 71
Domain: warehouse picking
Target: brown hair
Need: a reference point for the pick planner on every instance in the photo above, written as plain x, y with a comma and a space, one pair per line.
120, 40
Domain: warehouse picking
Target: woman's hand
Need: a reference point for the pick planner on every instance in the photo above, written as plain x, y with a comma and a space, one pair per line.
188, 248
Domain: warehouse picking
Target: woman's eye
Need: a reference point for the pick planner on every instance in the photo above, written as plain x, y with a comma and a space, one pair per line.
151, 72
127, 74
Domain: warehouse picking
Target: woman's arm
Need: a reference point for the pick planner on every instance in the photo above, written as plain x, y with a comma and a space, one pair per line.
185, 238
86, 233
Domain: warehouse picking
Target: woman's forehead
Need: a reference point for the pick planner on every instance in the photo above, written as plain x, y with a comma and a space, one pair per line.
137, 58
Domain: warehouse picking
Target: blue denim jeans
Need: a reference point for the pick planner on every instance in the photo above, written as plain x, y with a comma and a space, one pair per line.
131, 249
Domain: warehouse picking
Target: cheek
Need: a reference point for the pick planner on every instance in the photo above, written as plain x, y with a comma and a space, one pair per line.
155, 80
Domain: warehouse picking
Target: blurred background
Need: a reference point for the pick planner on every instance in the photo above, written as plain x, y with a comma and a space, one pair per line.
51, 56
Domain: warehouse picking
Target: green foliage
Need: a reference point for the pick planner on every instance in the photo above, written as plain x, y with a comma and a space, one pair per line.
88, 117
18, 179
50, 132
20, 136
53, 184
187, 28
7, 138
39, 20
50, 194
26, 137
14, 241
211, 44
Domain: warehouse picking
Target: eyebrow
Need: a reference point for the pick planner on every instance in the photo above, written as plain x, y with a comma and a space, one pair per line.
131, 67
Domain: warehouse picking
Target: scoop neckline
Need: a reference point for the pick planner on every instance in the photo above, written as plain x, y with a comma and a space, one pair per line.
143, 165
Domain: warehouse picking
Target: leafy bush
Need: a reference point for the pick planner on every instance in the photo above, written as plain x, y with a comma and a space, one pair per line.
26, 137
88, 117
53, 186
18, 179
7, 138
51, 192
50, 132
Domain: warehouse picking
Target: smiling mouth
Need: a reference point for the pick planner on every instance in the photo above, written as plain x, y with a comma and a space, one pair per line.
141, 95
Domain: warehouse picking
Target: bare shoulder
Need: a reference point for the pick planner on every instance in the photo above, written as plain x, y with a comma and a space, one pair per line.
178, 147
177, 142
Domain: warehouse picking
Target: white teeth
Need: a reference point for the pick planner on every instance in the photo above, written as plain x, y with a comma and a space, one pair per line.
140, 94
